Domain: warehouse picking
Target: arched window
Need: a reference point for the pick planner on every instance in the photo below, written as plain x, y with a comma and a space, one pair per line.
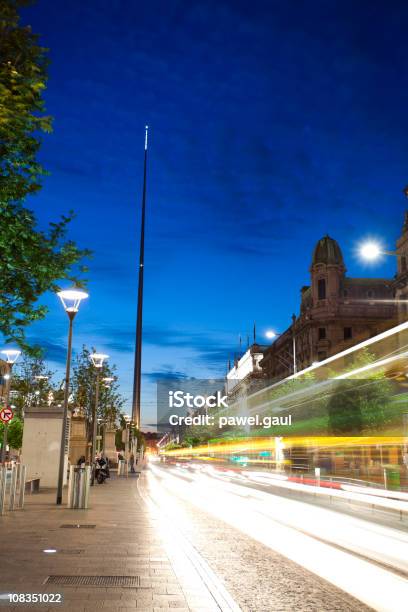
321, 289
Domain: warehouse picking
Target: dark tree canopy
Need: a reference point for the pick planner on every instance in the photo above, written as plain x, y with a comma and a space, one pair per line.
31, 384
83, 388
23, 77
32, 260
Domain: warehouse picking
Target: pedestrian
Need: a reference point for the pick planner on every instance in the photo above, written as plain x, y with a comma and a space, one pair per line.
132, 464
81, 461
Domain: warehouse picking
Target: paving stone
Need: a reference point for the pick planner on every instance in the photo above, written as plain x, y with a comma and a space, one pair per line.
125, 541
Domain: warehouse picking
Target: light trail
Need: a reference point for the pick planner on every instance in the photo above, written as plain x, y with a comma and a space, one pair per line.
296, 530
268, 443
195, 575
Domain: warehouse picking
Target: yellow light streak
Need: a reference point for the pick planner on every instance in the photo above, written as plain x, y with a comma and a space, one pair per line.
259, 444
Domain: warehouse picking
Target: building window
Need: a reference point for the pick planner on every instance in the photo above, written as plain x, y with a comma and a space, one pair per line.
348, 333
322, 333
370, 293
321, 289
403, 263
321, 355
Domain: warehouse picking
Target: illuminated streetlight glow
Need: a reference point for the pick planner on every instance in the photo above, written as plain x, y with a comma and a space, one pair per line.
370, 251
271, 334
71, 299
11, 355
98, 359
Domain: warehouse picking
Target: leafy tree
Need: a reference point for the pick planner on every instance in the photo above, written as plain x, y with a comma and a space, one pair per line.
14, 433
135, 434
360, 403
32, 261
26, 388
344, 409
83, 388
119, 445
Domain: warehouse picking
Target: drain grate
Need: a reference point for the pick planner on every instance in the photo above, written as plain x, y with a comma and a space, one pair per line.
71, 551
77, 526
94, 581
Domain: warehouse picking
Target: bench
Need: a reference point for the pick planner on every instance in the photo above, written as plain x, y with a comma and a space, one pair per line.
32, 485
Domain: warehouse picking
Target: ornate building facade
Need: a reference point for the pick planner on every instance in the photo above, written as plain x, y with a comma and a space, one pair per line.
401, 278
336, 311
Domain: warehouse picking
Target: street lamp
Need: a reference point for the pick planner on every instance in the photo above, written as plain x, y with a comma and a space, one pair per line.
11, 356
108, 380
97, 361
270, 334
370, 251
71, 300
40, 378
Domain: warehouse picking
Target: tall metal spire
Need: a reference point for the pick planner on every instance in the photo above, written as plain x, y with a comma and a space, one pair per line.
138, 348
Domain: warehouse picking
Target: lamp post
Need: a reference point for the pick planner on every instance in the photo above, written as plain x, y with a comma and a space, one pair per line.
127, 438
97, 360
11, 356
41, 379
107, 381
71, 300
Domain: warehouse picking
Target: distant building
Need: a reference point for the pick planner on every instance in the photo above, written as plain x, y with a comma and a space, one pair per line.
246, 375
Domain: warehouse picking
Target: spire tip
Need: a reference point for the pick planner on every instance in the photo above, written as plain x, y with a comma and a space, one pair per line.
146, 130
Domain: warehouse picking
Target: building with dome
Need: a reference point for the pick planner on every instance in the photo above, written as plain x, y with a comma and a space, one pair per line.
336, 312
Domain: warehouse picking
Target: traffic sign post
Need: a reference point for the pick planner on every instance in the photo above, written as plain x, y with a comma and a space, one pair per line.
6, 414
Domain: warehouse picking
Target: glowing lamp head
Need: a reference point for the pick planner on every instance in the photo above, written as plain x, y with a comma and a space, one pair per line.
108, 379
98, 359
370, 251
71, 299
11, 355
270, 334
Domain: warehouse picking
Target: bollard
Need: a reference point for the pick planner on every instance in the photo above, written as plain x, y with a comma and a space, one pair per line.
78, 488
3, 485
23, 471
13, 484
87, 482
121, 467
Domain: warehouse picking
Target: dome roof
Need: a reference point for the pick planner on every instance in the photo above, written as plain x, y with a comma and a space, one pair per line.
327, 251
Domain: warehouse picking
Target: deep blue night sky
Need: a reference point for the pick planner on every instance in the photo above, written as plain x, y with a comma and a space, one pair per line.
272, 123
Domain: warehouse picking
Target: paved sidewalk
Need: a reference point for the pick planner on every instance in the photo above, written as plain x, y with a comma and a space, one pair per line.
125, 541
